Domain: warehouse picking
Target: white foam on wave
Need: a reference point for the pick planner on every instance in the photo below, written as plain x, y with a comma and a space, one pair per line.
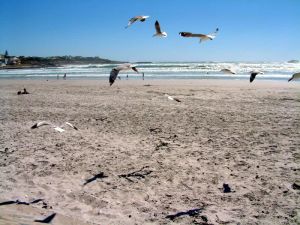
276, 70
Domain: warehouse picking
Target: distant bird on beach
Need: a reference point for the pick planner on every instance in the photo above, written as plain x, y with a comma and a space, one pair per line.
115, 71
173, 98
159, 33
203, 37
295, 76
25, 92
136, 18
57, 128
253, 75
228, 71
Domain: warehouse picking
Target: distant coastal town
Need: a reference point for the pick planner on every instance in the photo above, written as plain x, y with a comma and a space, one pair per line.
20, 62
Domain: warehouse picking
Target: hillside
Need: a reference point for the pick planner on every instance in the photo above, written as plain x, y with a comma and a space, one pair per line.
53, 61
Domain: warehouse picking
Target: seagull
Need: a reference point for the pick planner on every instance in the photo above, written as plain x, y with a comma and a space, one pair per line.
57, 128
136, 18
253, 75
203, 37
173, 98
159, 33
295, 76
228, 71
115, 71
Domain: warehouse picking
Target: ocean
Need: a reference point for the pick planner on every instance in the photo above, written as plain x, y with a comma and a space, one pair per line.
162, 70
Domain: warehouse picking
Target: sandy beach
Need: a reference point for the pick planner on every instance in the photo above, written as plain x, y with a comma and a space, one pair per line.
158, 157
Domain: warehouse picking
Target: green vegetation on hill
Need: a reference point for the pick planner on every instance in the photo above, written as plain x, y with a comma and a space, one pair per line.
34, 61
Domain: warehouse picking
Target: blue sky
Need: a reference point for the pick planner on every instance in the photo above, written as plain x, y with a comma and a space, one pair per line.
250, 30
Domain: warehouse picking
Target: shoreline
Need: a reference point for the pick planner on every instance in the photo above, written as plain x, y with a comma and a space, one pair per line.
162, 81
22, 67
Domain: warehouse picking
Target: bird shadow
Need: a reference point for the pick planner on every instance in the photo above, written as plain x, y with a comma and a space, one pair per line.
48, 219
191, 212
18, 202
136, 174
97, 176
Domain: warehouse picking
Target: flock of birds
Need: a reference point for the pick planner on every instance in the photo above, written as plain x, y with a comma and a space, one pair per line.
159, 33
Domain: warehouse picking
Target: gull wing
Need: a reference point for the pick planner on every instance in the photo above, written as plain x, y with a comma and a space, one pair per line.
143, 18
71, 125
295, 76
228, 71
198, 35
252, 77
177, 99
135, 69
39, 124
123, 66
173, 98
169, 97
189, 34
185, 34
157, 27
131, 21
113, 75
214, 34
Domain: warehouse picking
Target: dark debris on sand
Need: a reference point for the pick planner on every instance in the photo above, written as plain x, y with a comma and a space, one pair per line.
136, 174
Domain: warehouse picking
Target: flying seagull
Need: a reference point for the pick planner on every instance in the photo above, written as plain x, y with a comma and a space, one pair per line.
57, 128
295, 76
203, 37
173, 98
115, 71
159, 33
136, 18
253, 75
228, 71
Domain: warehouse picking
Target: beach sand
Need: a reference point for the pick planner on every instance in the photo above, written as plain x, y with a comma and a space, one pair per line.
159, 157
